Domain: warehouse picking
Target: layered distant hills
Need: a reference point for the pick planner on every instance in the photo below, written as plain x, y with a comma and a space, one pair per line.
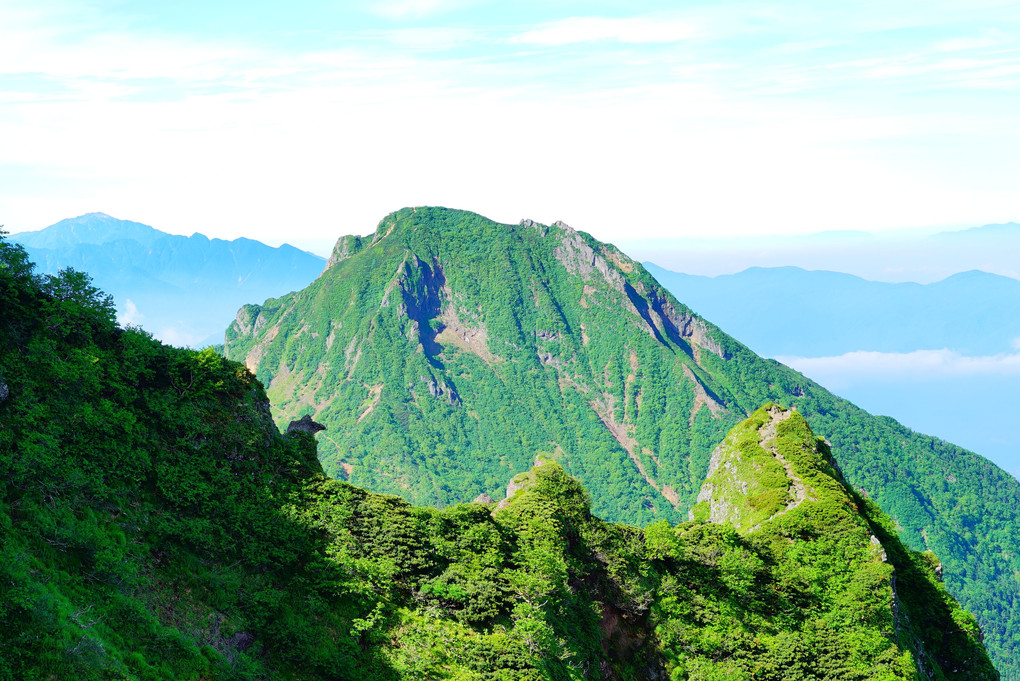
181, 289
908, 350
156, 526
444, 350
973, 313
891, 257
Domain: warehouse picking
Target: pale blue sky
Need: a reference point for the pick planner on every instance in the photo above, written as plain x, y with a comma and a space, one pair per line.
301, 121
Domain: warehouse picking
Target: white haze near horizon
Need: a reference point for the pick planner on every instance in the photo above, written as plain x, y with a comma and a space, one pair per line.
969, 401
921, 256
305, 121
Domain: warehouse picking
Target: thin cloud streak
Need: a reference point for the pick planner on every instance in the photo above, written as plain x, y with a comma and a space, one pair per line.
853, 366
576, 30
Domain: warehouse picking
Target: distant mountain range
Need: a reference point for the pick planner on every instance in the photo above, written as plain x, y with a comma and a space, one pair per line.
890, 257
184, 290
906, 350
973, 313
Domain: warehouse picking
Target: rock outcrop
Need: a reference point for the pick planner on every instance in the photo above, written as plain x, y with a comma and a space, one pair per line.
305, 424
751, 478
345, 247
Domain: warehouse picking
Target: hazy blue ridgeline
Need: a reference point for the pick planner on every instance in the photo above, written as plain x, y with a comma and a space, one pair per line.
971, 314
891, 257
182, 289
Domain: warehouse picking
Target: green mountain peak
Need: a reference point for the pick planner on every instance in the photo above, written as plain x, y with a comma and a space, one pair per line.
445, 350
445, 321
767, 465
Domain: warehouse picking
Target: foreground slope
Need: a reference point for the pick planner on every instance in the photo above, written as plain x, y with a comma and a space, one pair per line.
156, 525
445, 349
778, 485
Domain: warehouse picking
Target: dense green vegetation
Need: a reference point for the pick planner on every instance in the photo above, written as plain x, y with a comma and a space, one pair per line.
827, 551
445, 350
143, 505
156, 525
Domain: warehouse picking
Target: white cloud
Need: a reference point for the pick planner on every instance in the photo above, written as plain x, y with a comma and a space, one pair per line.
63, 50
178, 336
920, 364
971, 42
433, 38
624, 30
400, 9
130, 315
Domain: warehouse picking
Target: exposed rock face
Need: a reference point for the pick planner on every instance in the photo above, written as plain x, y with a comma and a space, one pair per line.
345, 247
305, 424
484, 498
542, 229
581, 259
5, 392
421, 287
245, 319
463, 330
685, 325
520, 482
662, 317
443, 390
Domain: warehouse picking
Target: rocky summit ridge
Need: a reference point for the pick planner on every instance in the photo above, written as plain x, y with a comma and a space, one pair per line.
777, 483
751, 479
486, 317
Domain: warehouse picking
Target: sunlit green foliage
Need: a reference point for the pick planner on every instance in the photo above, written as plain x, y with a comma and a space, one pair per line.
842, 579
156, 525
542, 355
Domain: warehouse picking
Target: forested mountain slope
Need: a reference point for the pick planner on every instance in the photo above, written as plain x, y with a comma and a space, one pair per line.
445, 349
156, 525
